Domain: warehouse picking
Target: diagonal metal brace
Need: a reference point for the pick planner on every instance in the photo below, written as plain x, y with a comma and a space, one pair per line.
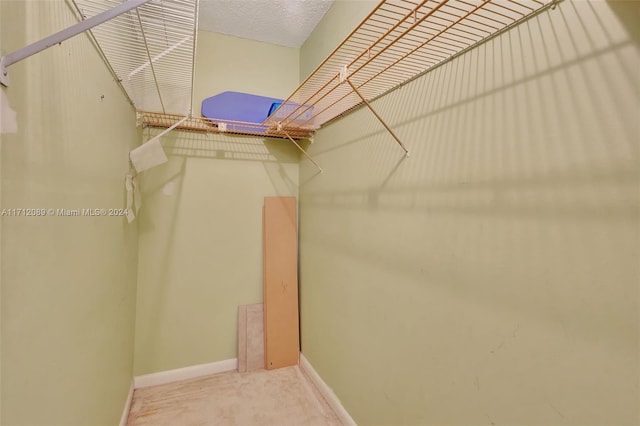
20, 54
303, 151
406, 151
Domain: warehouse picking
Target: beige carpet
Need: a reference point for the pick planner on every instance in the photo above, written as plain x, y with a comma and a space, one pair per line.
258, 398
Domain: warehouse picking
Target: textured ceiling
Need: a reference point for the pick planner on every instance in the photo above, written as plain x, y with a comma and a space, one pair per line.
283, 22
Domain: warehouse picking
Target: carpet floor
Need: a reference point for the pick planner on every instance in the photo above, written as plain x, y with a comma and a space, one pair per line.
258, 398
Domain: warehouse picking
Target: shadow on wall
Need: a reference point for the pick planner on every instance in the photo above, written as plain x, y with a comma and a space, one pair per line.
272, 153
517, 210
180, 147
226, 147
506, 122
200, 219
628, 11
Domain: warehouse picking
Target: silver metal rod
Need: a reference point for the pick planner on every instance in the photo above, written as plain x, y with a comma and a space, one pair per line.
153, 70
159, 56
303, 151
165, 131
23, 53
193, 59
406, 151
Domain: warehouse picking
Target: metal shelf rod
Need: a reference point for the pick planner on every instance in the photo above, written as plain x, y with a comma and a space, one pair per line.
23, 53
303, 151
406, 151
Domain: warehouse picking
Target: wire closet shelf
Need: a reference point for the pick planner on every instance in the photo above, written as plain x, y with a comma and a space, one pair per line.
203, 124
398, 41
150, 50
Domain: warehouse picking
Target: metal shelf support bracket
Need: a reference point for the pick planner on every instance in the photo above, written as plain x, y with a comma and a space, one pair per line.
303, 151
406, 151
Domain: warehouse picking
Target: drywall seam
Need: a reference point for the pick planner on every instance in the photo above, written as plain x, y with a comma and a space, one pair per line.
328, 394
184, 373
127, 407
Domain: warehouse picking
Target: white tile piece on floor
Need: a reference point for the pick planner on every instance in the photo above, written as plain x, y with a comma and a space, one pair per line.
278, 397
250, 337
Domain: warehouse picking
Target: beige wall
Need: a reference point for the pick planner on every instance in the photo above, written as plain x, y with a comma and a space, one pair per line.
200, 247
227, 63
492, 277
68, 283
337, 23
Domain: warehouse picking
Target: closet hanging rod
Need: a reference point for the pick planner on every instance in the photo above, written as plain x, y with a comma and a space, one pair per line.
40, 45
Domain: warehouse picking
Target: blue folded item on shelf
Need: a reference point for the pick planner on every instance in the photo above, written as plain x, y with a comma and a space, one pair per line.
241, 108
274, 107
238, 106
303, 114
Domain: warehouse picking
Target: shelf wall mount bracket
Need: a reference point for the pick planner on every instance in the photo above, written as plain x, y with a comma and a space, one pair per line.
406, 151
56, 38
302, 149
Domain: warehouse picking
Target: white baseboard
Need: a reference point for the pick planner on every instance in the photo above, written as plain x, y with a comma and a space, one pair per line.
327, 392
127, 407
191, 372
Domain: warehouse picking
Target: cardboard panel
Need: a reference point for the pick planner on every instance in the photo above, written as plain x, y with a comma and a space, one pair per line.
282, 345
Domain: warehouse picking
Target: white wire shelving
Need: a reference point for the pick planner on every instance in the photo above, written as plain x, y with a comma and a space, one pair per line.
151, 50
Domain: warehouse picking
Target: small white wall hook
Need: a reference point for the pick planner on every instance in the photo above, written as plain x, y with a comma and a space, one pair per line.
344, 73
